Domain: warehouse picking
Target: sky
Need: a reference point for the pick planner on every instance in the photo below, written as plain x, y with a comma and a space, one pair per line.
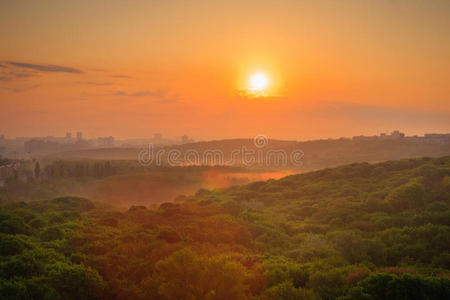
134, 68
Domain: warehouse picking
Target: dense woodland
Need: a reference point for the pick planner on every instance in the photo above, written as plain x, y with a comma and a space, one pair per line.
359, 231
119, 183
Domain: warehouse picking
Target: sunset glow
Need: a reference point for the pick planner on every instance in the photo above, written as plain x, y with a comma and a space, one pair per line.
258, 82
336, 67
224, 149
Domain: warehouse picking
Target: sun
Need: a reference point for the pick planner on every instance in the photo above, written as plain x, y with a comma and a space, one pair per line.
258, 82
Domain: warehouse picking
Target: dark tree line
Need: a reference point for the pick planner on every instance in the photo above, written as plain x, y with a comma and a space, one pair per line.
61, 169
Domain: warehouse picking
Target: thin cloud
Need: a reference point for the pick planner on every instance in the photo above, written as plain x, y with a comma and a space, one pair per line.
45, 68
120, 76
160, 96
155, 94
94, 83
12, 75
20, 90
142, 94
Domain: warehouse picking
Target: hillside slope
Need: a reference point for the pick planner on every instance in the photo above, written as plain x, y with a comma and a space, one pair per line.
317, 154
359, 231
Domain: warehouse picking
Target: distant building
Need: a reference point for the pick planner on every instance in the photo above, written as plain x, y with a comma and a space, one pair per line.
105, 142
157, 138
185, 139
397, 134
79, 135
394, 135
41, 146
68, 135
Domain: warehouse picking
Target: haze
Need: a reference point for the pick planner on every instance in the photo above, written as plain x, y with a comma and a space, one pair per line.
134, 68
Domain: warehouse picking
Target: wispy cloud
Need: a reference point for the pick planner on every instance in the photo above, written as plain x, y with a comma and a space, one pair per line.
159, 96
10, 75
45, 68
120, 76
121, 93
94, 83
155, 94
21, 89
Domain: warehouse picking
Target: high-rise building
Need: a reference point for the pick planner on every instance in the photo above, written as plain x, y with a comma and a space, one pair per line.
68, 135
79, 135
105, 142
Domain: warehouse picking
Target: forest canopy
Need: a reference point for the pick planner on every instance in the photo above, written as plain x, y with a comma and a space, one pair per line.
360, 231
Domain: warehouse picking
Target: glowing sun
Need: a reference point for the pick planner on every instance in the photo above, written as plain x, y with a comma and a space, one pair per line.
258, 82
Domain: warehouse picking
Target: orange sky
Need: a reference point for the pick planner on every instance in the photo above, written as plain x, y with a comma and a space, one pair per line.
133, 68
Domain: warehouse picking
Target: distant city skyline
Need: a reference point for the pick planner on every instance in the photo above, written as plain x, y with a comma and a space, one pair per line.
184, 137
287, 69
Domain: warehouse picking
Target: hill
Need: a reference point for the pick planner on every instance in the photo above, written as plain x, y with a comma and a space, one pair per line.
315, 154
360, 231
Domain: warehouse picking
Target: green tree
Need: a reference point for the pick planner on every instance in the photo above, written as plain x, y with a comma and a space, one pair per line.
393, 287
287, 291
76, 281
184, 275
407, 196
